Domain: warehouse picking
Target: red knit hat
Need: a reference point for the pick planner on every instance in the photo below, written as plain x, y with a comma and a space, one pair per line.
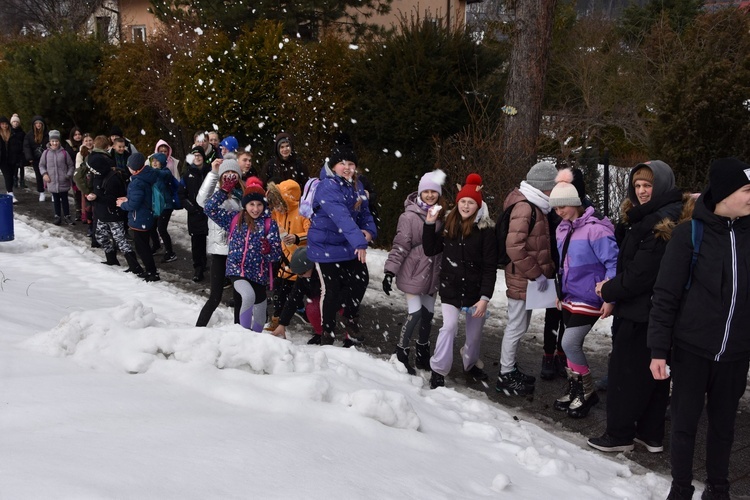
254, 192
472, 189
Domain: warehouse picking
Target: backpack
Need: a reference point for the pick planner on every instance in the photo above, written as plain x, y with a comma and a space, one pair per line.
501, 231
308, 195
158, 202
697, 238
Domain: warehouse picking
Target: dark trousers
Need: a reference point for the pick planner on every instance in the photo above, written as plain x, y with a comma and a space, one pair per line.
39, 178
198, 250
143, 249
343, 285
281, 290
7, 170
553, 330
720, 385
61, 200
160, 229
217, 277
636, 403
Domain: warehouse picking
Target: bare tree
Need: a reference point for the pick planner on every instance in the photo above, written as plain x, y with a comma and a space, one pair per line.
531, 36
46, 16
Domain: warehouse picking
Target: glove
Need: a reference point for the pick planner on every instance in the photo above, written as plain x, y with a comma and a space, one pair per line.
265, 246
388, 282
229, 182
542, 283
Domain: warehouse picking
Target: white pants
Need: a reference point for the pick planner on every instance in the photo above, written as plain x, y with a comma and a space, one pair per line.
518, 324
442, 359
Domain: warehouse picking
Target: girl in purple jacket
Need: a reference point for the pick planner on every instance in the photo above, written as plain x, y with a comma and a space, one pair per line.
588, 255
417, 275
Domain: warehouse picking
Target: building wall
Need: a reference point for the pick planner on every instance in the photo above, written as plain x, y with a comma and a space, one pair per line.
134, 14
454, 10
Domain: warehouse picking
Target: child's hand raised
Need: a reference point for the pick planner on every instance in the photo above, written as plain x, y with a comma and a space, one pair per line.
432, 214
229, 181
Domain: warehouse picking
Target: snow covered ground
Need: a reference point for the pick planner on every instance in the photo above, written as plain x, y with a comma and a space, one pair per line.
107, 390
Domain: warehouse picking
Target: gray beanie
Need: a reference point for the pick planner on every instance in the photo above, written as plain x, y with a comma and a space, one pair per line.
542, 176
230, 166
54, 135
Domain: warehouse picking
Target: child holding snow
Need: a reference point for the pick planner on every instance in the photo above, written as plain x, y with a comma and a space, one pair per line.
416, 275
284, 199
588, 255
467, 277
254, 244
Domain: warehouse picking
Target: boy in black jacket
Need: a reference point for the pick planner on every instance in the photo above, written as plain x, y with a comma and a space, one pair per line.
197, 220
700, 316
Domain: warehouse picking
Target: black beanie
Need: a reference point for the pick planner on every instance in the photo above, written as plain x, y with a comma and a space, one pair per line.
136, 161
199, 151
726, 176
340, 154
115, 130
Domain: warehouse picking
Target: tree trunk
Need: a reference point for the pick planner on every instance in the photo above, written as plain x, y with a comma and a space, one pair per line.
531, 40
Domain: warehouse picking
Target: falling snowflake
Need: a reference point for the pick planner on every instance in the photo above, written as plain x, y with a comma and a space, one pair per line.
395, 185
143, 132
199, 31
397, 153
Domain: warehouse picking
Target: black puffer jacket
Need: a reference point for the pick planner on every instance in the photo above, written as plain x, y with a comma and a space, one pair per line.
469, 265
646, 231
197, 220
108, 185
711, 318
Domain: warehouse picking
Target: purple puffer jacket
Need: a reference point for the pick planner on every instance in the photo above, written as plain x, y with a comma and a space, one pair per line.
415, 273
591, 257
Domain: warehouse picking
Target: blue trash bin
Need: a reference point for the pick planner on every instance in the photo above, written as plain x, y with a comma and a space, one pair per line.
6, 217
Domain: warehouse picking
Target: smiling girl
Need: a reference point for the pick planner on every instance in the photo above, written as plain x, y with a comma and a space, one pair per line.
253, 243
467, 277
588, 255
416, 275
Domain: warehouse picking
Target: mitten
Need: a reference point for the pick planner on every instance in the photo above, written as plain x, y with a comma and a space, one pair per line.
265, 246
229, 182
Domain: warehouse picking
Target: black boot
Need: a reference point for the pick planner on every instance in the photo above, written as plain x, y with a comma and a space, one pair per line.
111, 259
678, 492
715, 492
436, 380
548, 367
422, 356
585, 396
563, 402
198, 275
133, 265
402, 354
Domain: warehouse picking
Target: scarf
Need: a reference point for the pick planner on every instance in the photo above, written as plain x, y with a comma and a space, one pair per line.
539, 199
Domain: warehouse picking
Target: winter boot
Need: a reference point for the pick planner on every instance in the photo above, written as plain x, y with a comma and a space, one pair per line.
425, 326
678, 492
436, 380
57, 220
133, 265
111, 259
352, 334
402, 354
563, 402
585, 396
198, 275
548, 367
68, 220
314, 339
422, 356
327, 338
78, 214
151, 277
528, 379
715, 492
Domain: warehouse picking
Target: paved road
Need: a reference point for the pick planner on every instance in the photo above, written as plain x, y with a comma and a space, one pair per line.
381, 322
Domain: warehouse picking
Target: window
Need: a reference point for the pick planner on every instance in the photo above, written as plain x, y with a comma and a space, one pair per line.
102, 27
139, 33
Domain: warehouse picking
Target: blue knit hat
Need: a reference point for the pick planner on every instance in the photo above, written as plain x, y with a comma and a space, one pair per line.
161, 158
230, 143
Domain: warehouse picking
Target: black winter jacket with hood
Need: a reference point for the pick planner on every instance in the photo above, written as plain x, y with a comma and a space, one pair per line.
711, 318
278, 169
647, 229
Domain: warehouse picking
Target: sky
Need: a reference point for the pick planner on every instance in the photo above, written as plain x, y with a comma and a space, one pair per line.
107, 390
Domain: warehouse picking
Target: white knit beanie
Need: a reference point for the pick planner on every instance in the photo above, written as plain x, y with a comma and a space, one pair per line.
564, 194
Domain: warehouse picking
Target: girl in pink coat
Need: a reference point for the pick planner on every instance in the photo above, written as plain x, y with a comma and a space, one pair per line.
416, 275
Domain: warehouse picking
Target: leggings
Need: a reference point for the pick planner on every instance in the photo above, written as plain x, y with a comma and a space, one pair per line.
253, 306
160, 229
7, 170
577, 326
421, 310
217, 278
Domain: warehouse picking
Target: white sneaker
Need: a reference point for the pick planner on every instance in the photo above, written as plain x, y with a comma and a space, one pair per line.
42, 197
15, 200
